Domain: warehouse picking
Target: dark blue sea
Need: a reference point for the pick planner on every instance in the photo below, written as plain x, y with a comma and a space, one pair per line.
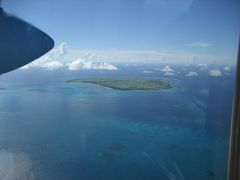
53, 130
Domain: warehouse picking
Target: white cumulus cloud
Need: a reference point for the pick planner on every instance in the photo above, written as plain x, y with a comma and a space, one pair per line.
227, 68
59, 52
82, 64
192, 73
79, 64
215, 72
50, 65
105, 66
53, 65
58, 58
167, 69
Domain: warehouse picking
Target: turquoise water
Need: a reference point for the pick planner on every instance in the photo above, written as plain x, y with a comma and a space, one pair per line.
83, 131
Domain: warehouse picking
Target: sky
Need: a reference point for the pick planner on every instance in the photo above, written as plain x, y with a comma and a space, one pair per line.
175, 31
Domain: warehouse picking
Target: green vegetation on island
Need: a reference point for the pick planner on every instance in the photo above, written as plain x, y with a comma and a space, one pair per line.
126, 83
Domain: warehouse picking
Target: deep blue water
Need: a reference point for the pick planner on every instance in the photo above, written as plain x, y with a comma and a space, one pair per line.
50, 129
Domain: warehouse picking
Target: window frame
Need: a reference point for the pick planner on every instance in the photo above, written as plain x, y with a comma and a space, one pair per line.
234, 147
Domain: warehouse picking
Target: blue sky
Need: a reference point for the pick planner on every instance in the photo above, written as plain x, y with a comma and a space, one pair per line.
200, 27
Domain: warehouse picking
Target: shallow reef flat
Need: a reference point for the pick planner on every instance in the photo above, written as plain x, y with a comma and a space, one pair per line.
127, 83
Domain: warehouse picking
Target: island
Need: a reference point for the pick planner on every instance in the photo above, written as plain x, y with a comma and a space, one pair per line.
127, 83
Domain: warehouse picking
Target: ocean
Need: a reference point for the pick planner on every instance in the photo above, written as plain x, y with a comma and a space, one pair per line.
50, 129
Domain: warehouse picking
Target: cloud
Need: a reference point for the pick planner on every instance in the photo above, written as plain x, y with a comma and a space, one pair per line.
51, 65
51, 60
215, 72
147, 72
59, 58
192, 73
202, 66
65, 54
56, 54
169, 74
81, 64
105, 66
59, 52
167, 69
199, 44
151, 56
227, 68
104, 58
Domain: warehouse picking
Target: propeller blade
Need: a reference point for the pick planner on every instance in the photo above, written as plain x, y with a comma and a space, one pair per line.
20, 42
